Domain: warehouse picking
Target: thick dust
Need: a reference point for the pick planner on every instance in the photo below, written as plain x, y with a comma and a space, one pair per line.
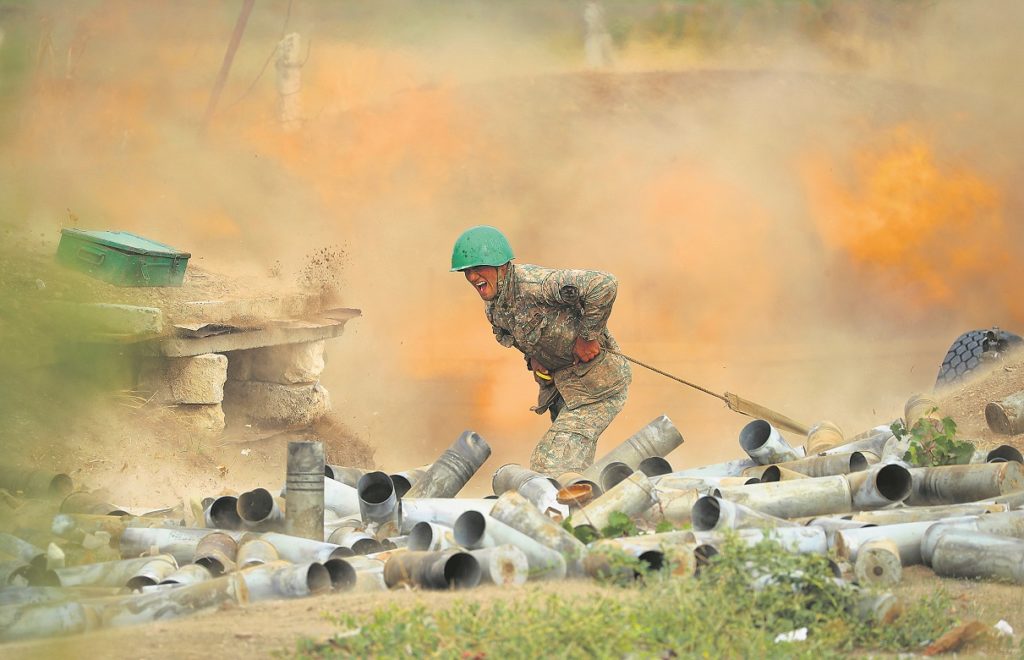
804, 203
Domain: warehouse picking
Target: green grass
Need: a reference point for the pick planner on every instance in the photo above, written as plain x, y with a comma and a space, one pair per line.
719, 614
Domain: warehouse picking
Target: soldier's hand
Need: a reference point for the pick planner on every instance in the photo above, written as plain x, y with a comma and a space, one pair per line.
538, 367
586, 350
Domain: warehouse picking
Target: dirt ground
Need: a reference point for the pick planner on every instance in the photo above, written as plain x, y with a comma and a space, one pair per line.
263, 629
966, 404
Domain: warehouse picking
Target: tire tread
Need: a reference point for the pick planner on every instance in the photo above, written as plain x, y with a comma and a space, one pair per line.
964, 355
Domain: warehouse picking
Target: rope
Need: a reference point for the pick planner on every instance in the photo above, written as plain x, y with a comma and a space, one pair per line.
668, 375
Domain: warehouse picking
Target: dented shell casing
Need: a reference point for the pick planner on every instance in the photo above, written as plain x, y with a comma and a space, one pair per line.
217, 552
734, 468
441, 510
180, 542
970, 554
823, 436
108, 573
827, 465
814, 496
672, 549
448, 569
431, 537
955, 484
918, 407
632, 496
541, 490
712, 513
475, 530
453, 468
378, 500
282, 579
765, 445
1009, 524
301, 550
657, 438
406, 479
673, 506
878, 564
502, 565
514, 510
344, 474
906, 536
880, 486
872, 441
923, 513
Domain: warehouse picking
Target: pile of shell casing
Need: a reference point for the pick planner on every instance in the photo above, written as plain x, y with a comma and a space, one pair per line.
71, 562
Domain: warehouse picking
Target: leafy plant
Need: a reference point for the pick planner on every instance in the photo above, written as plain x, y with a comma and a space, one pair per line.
933, 442
619, 524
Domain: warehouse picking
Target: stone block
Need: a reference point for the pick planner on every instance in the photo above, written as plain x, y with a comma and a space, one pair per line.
275, 405
287, 364
197, 380
203, 420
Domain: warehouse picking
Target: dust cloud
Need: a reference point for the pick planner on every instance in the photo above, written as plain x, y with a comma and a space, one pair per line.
804, 203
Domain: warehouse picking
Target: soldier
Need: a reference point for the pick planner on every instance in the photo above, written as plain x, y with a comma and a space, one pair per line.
556, 318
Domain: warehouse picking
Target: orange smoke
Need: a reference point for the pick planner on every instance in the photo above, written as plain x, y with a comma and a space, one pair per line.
352, 157
709, 234
909, 220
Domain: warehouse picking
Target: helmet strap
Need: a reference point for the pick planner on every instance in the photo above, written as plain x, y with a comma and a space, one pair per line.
504, 282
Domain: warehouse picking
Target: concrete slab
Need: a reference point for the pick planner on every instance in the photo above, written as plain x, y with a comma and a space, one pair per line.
273, 333
294, 305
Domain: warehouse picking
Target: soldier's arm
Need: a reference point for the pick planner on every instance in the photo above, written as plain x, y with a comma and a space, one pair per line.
592, 292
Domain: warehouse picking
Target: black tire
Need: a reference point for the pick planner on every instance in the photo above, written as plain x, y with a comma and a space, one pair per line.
965, 355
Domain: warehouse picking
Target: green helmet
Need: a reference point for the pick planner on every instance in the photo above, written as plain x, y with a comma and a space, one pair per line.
481, 246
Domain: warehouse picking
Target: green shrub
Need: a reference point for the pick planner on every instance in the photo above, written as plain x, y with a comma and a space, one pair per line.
933, 442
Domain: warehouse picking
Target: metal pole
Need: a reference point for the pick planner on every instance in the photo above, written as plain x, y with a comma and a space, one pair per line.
225, 66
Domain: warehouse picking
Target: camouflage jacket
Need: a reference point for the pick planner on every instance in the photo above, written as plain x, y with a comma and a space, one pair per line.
541, 312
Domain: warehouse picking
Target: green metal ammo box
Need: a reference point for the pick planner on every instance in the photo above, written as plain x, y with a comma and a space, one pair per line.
122, 258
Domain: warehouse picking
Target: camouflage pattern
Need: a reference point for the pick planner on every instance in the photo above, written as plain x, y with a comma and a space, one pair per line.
571, 442
541, 311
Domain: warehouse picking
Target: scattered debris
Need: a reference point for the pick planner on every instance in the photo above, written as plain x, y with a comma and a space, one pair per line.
957, 637
798, 635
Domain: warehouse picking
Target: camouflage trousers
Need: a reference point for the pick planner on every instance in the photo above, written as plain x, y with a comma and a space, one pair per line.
569, 445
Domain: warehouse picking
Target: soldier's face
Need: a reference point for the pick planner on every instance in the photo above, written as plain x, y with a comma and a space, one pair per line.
484, 279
